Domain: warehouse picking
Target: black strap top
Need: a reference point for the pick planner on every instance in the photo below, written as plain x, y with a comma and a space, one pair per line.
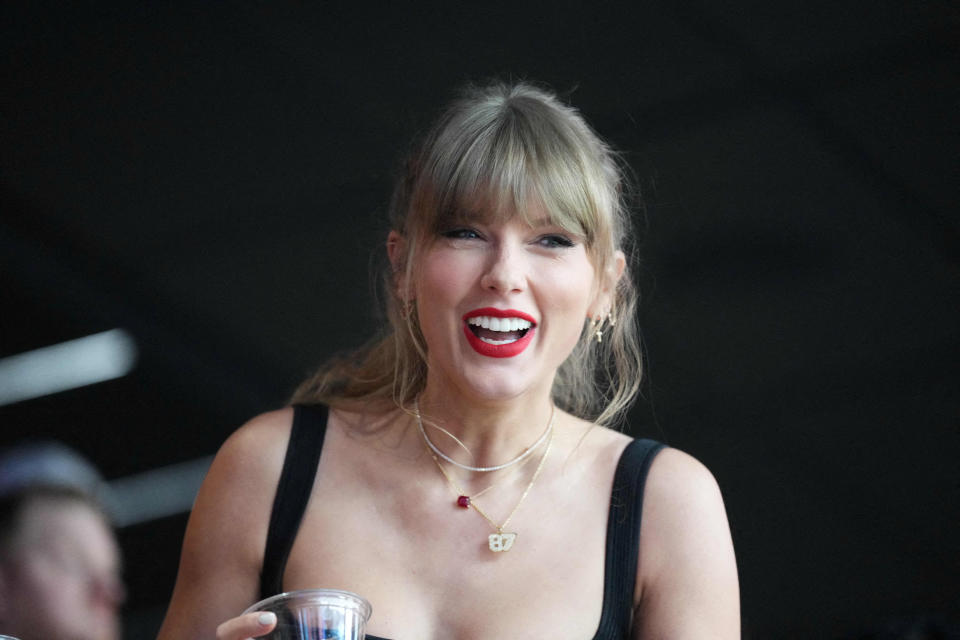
623, 522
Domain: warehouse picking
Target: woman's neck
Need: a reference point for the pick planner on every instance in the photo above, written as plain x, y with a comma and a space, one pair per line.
491, 432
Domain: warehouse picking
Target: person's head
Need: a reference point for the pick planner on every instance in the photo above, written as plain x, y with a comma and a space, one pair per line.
59, 560
507, 151
504, 152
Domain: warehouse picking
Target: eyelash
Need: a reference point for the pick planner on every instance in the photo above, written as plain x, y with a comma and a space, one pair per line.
548, 241
554, 240
460, 234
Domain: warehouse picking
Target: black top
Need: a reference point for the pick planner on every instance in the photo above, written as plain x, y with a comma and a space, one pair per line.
623, 523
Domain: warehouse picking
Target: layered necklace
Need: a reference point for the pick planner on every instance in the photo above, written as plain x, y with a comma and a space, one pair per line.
501, 540
466, 467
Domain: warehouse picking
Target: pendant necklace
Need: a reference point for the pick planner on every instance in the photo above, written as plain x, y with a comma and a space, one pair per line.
501, 540
464, 500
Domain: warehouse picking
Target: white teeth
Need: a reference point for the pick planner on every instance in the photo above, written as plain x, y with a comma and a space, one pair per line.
498, 341
500, 324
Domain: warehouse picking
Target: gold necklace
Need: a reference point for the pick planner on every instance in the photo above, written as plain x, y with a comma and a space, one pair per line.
501, 540
464, 500
466, 467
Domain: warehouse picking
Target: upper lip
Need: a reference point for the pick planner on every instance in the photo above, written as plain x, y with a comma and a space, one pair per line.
499, 313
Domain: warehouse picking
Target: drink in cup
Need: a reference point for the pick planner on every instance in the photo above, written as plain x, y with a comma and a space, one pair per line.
316, 614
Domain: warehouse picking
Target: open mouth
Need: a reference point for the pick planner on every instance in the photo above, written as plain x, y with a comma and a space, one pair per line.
498, 331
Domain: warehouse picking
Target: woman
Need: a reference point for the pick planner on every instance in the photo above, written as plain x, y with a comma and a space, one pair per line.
466, 484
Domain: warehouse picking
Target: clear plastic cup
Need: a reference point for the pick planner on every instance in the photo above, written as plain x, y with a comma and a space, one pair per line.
316, 614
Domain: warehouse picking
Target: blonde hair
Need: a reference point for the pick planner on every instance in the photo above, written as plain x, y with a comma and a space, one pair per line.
498, 148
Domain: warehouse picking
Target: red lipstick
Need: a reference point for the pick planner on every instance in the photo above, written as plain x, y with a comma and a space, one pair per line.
499, 350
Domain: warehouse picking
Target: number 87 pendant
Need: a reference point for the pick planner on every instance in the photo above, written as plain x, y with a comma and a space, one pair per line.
501, 541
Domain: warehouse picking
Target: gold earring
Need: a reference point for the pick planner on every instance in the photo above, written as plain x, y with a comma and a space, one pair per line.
596, 328
596, 325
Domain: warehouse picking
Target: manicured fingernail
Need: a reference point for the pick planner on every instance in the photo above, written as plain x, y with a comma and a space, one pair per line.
267, 618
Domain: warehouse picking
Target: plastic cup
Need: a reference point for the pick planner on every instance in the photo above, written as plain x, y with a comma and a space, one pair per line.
316, 614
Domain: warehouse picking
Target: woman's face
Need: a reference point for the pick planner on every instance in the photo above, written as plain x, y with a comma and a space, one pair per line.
501, 305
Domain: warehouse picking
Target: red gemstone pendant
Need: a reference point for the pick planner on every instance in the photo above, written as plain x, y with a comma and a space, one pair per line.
464, 501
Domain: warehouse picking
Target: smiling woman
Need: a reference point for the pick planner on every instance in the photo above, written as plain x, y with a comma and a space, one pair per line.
512, 345
497, 153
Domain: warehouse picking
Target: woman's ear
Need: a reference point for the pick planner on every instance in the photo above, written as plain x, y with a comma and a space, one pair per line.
396, 247
603, 302
616, 268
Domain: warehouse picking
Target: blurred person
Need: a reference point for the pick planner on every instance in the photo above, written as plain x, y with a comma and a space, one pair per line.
59, 558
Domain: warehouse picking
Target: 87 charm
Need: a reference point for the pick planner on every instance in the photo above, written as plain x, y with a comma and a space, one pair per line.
501, 541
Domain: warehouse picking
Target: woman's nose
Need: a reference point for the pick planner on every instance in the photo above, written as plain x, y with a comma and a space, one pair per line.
506, 271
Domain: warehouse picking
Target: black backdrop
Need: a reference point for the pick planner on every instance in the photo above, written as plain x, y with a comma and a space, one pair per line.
213, 179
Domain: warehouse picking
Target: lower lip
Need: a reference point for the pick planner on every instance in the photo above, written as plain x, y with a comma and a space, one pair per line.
498, 350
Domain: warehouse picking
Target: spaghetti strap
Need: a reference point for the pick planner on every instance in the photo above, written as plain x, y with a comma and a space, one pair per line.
623, 538
293, 493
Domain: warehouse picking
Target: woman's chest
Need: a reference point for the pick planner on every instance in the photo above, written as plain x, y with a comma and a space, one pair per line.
429, 572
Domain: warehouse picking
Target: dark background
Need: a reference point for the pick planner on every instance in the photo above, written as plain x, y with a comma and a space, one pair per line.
214, 178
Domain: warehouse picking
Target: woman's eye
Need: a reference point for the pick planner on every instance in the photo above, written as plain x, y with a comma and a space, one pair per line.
460, 234
554, 240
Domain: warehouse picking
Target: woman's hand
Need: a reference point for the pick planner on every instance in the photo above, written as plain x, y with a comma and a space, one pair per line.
249, 625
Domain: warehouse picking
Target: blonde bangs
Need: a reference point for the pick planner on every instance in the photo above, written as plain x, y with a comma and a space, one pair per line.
515, 159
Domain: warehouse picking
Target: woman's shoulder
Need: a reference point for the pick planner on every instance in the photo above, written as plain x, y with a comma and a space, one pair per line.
681, 497
686, 553
226, 534
250, 460
681, 486
260, 434
674, 475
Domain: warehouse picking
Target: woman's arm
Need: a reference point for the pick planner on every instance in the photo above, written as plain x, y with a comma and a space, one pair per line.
687, 571
219, 574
